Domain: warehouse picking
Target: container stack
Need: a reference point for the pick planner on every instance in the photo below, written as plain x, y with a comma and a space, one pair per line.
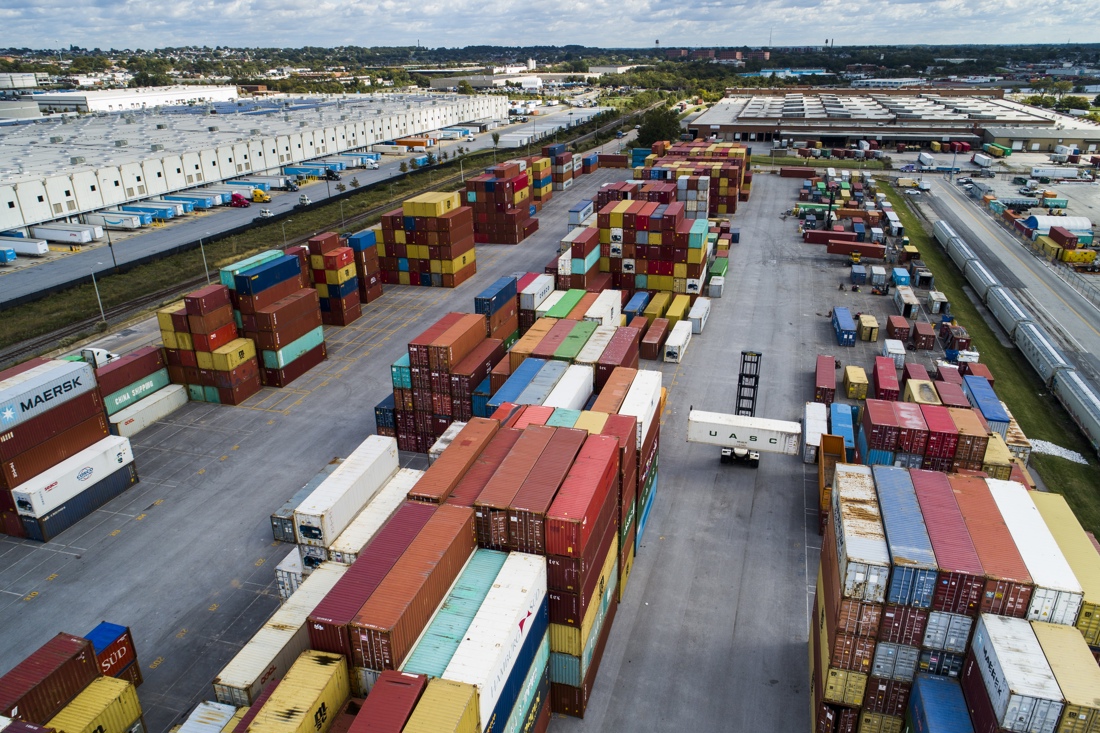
501, 201
499, 303
138, 390
722, 165
368, 266
561, 166
541, 179
115, 652
429, 242
334, 274
60, 462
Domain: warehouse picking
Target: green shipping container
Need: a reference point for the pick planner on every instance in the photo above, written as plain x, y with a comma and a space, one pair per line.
563, 418
575, 341
401, 373
720, 267
293, 350
139, 389
567, 303
226, 274
210, 394
195, 393
434, 650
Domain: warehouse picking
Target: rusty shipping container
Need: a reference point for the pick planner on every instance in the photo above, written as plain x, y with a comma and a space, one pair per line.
621, 351
418, 347
452, 346
484, 467
37, 688
25, 466
38, 430
614, 390
491, 506
527, 512
591, 483
443, 476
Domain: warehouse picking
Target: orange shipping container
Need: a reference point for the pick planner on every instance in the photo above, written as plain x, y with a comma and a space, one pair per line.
437, 483
614, 390
456, 342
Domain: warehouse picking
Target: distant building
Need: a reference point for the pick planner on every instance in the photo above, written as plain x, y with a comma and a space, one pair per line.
23, 81
614, 69
676, 53
756, 55
702, 53
120, 100
889, 83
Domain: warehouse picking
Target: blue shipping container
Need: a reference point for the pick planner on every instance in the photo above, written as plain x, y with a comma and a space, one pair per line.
517, 382
840, 423
914, 568
844, 327
859, 274
104, 635
496, 296
936, 705
385, 414
543, 383
361, 241
636, 305
643, 514
901, 277
981, 395
95, 496
480, 399
873, 456
509, 693
563, 418
262, 277
401, 373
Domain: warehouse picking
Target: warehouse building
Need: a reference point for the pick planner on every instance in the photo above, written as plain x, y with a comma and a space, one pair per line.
69, 166
23, 81
121, 100
1044, 139
838, 117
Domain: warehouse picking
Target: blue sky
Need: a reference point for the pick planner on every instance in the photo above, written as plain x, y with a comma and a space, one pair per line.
606, 23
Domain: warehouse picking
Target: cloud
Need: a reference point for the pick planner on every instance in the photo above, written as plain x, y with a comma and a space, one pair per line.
600, 23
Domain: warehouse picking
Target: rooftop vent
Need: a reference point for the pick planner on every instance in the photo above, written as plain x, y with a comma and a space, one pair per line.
212, 128
156, 146
76, 160
57, 139
121, 143
162, 126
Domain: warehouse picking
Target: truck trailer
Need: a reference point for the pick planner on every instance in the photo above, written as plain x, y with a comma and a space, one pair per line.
157, 211
117, 220
198, 200
67, 233
26, 246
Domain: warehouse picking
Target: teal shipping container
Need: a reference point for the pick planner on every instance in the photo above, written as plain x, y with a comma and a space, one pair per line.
401, 373
563, 418
279, 359
226, 274
130, 394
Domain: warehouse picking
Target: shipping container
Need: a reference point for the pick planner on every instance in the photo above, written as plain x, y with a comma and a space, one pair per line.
526, 513
107, 705
863, 558
491, 506
478, 475
1076, 673
442, 476
41, 388
642, 401
825, 379
1081, 555
208, 717
574, 623
114, 649
282, 521
590, 483
446, 707
390, 703
145, 412
307, 699
38, 687
56, 521
571, 669
573, 389
373, 518
913, 563
51, 489
936, 705
322, 516
949, 632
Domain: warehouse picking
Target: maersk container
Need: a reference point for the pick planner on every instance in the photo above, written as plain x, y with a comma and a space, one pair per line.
45, 528
208, 717
677, 342
573, 389
1040, 351
698, 315
42, 388
228, 275
26, 246
374, 516
532, 296
308, 698
517, 382
642, 401
1058, 596
503, 638
936, 705
140, 415
51, 489
107, 705
913, 575
272, 650
1007, 310
543, 383
282, 520
1015, 674
436, 647
863, 557
333, 505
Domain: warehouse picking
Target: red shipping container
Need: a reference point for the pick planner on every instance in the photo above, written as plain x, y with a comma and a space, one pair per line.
880, 425
474, 480
188, 359
117, 656
238, 393
912, 430
338, 258
943, 436
389, 623
214, 340
639, 322
587, 489
1001, 561
206, 300
897, 327
179, 320
825, 379
527, 512
286, 333
573, 701
924, 336
654, 340
38, 687
443, 476
903, 625
250, 304
472, 370
571, 573
130, 368
850, 616
286, 310
282, 377
621, 351
323, 243
855, 653
982, 715
568, 607
532, 415
418, 347
39, 429
328, 624
553, 339
491, 506
889, 697
24, 367
978, 370
884, 379
230, 379
614, 390
390, 703
25, 466
951, 394
914, 371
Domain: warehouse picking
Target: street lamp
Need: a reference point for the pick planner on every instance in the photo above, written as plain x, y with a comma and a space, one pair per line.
282, 225
111, 246
205, 267
102, 314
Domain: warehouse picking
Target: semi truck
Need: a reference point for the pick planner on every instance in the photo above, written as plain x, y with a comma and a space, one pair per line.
925, 160
250, 192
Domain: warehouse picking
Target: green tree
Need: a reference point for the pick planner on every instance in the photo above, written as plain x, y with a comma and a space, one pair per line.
404, 167
1062, 88
465, 88
1073, 102
1096, 101
432, 159
659, 124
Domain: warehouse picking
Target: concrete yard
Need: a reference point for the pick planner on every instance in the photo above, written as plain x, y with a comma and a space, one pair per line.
712, 633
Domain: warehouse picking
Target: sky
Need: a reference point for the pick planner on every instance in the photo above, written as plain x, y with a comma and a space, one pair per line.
603, 23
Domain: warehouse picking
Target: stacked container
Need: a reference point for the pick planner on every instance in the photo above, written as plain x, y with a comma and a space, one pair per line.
115, 652
334, 273
368, 266
138, 390
541, 179
501, 201
40, 686
429, 242
499, 303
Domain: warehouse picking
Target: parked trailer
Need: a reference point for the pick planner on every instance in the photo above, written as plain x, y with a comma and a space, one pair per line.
1007, 310
63, 233
181, 207
115, 221
305, 171
389, 149
157, 212
1039, 350
198, 200
280, 183
331, 164
26, 246
1081, 402
980, 278
863, 249
249, 184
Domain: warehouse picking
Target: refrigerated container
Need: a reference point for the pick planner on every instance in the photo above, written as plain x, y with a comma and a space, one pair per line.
282, 520
51, 489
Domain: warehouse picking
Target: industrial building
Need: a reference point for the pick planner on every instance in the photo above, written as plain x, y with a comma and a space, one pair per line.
23, 81
67, 166
839, 117
121, 100
1044, 139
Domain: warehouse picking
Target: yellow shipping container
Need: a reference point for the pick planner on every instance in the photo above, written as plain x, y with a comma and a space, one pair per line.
308, 698
921, 391
844, 687
868, 327
184, 341
879, 723
935, 146
528, 341
571, 639
1079, 553
659, 282
233, 354
232, 724
677, 310
445, 707
539, 164
164, 315
521, 195
1080, 256
605, 264
998, 459
317, 262
450, 267
680, 269
168, 338
855, 382
617, 213
108, 705
403, 278
605, 236
593, 422
657, 306
399, 236
624, 572
432, 204
655, 238
341, 276
1076, 673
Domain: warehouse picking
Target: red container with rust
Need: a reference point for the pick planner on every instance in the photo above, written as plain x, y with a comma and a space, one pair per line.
491, 506
568, 607
527, 512
38, 430
206, 300
323, 243
452, 346
238, 393
889, 697
282, 377
214, 340
473, 481
129, 369
286, 333
390, 703
951, 394
328, 624
443, 476
654, 340
903, 625
860, 618
25, 466
825, 379
589, 487
621, 351
37, 688
250, 304
211, 321
912, 429
284, 311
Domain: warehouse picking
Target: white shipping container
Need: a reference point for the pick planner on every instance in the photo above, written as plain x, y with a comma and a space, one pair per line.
1015, 673
699, 313
444, 440
573, 389
593, 349
364, 527
208, 717
642, 400
565, 264
531, 297
143, 413
677, 342
947, 631
549, 302
47, 491
330, 508
739, 431
1058, 596
607, 309
717, 285
26, 247
490, 646
862, 554
270, 653
815, 422
895, 350
288, 573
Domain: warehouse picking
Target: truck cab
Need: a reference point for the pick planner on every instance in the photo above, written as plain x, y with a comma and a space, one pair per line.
331, 175
238, 201
259, 196
303, 200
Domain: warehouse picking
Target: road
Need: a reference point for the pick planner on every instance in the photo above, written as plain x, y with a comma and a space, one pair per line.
22, 281
1067, 316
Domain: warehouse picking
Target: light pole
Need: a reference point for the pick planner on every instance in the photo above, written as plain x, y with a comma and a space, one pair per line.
111, 246
205, 267
102, 314
341, 202
282, 225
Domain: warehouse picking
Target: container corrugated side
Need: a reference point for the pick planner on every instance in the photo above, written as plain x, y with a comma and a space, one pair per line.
48, 678
572, 639
140, 415
592, 350
570, 665
936, 705
51, 489
390, 703
527, 510
445, 707
642, 400
374, 516
483, 469
589, 486
573, 389
491, 505
42, 388
532, 692
1081, 556
1076, 673
436, 647
330, 508
208, 717
308, 698
1015, 673
913, 578
1058, 595
272, 650
107, 705
492, 643
863, 558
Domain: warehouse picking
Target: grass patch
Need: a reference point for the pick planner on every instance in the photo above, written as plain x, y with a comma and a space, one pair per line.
1039, 414
870, 165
